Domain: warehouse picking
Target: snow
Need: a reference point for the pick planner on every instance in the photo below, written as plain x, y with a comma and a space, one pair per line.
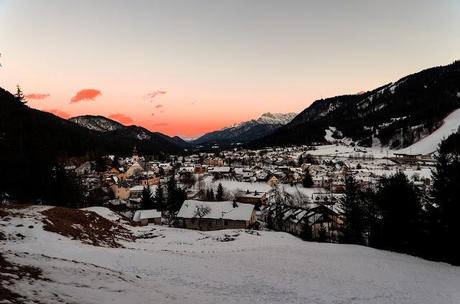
237, 186
217, 210
430, 143
104, 212
266, 118
146, 214
185, 266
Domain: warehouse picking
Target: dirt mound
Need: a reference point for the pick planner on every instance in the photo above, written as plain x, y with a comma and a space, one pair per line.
86, 226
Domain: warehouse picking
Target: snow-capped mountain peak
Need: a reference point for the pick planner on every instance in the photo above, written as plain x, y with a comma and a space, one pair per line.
276, 118
247, 130
97, 123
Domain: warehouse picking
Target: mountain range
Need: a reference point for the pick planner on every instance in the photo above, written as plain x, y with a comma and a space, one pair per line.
246, 131
394, 115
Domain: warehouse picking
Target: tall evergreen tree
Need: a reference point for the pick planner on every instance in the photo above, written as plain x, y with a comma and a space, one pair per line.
159, 200
400, 211
354, 213
19, 96
307, 181
175, 197
220, 192
445, 193
147, 201
210, 195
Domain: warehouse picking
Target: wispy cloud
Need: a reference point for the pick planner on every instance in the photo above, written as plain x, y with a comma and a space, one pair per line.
121, 118
159, 106
155, 94
85, 94
37, 96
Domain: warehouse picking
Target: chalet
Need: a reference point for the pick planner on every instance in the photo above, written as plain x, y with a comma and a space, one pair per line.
251, 197
144, 217
120, 192
134, 170
149, 180
84, 168
204, 215
135, 191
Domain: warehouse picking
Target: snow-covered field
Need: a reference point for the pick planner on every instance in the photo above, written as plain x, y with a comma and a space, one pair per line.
430, 143
183, 266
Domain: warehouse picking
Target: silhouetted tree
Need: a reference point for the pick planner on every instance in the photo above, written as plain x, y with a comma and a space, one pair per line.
159, 200
19, 96
400, 210
307, 181
147, 200
443, 213
220, 193
354, 213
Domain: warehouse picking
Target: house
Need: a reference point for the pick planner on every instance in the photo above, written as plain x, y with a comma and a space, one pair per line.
84, 168
144, 217
252, 197
134, 170
149, 180
120, 192
205, 215
136, 191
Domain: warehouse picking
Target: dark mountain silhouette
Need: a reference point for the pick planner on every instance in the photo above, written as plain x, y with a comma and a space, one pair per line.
32, 144
394, 115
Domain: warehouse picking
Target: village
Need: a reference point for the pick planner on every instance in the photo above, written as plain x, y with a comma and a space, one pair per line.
242, 189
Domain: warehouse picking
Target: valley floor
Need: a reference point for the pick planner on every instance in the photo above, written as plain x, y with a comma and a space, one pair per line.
169, 265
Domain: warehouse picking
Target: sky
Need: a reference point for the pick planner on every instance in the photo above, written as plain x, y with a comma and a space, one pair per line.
188, 67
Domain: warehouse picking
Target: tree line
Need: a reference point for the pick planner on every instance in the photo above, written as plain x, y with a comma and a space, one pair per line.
398, 216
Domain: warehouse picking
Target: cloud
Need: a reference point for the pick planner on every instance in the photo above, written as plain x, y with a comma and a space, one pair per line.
37, 96
156, 93
159, 106
159, 124
85, 94
59, 113
121, 118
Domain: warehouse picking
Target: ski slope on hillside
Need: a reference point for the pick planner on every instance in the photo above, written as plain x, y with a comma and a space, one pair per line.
230, 266
430, 143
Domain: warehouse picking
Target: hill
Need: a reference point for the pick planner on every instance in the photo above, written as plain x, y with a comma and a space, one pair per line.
32, 142
170, 265
395, 115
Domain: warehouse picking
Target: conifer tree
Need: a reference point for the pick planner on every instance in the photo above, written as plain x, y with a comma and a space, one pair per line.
19, 95
147, 201
220, 193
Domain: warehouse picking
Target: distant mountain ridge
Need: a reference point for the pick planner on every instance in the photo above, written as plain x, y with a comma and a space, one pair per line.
246, 131
115, 129
97, 123
395, 115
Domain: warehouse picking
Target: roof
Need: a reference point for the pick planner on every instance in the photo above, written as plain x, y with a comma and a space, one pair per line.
218, 210
146, 214
251, 194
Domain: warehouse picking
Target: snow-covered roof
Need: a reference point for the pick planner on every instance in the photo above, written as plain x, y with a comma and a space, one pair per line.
146, 214
220, 169
136, 188
218, 210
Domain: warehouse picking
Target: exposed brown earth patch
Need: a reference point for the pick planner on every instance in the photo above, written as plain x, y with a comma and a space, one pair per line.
86, 226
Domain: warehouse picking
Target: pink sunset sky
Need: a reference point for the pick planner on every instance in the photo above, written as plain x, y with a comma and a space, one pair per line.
189, 67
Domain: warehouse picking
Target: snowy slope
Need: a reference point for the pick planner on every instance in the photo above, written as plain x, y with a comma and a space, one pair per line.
430, 143
247, 130
184, 266
97, 123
